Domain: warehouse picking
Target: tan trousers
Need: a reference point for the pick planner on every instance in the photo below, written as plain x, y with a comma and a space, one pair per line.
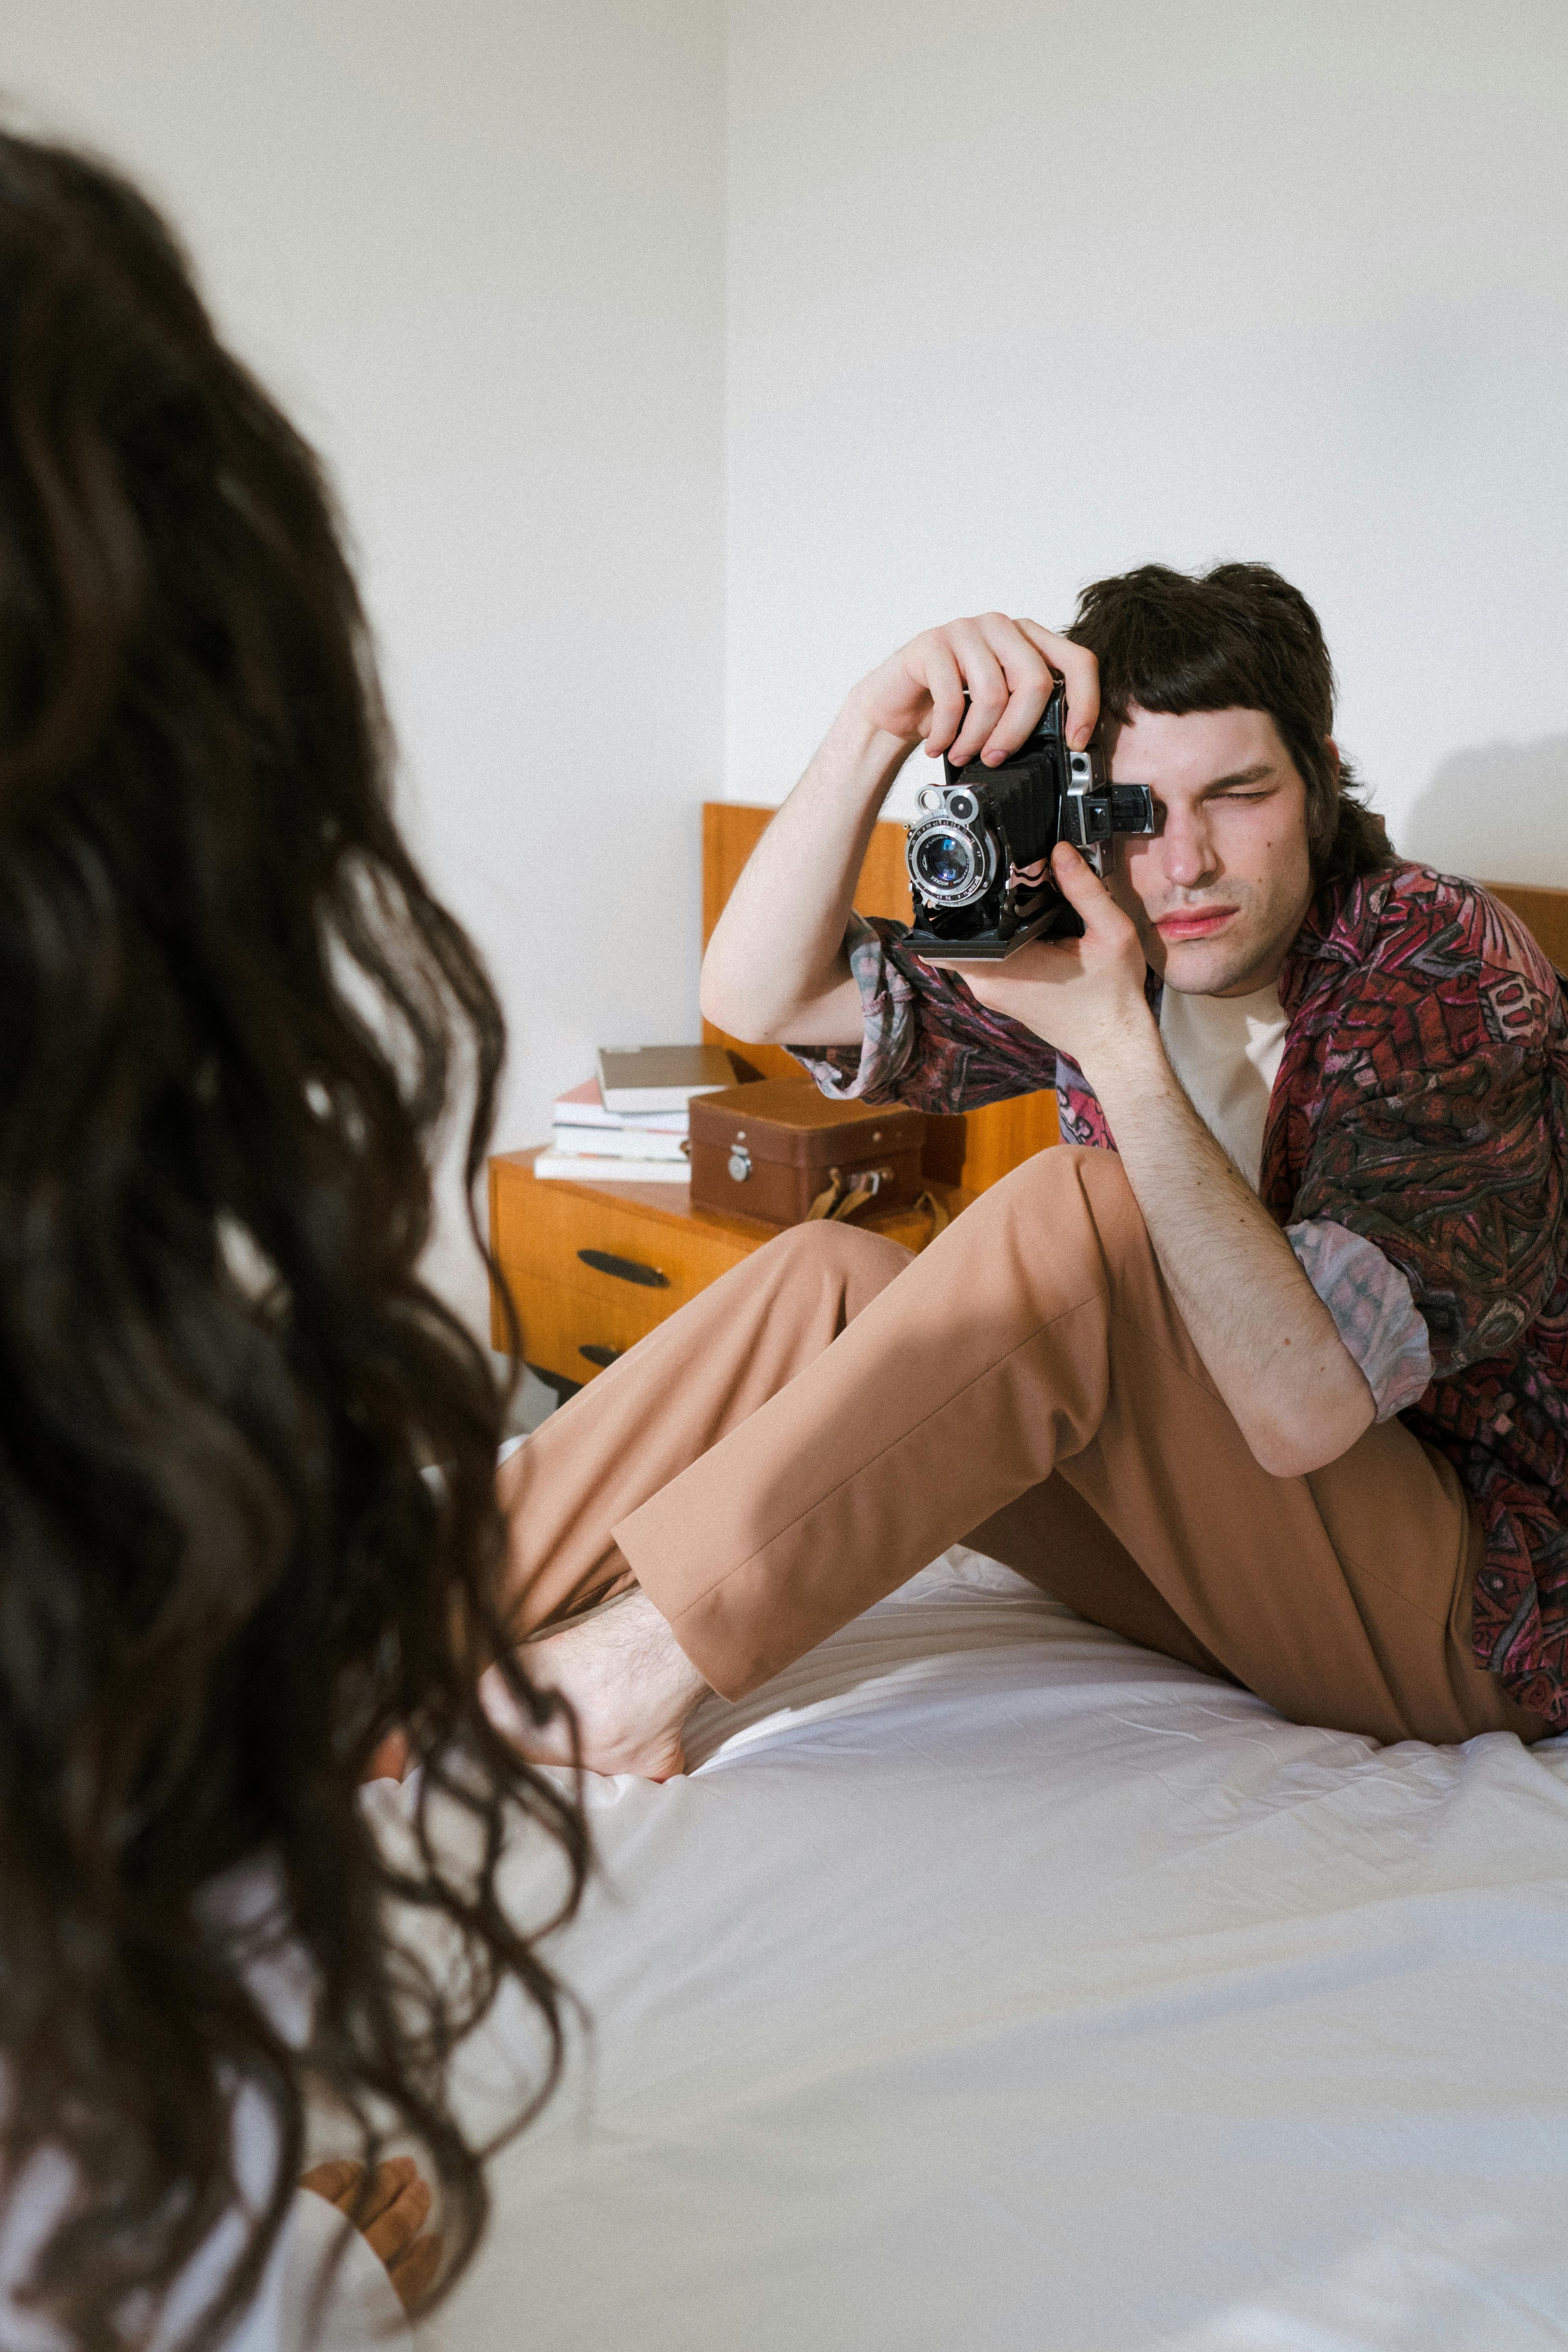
831, 1413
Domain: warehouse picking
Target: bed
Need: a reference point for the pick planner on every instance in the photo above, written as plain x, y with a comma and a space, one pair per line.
989, 1982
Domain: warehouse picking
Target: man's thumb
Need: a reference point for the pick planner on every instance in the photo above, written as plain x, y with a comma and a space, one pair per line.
1079, 883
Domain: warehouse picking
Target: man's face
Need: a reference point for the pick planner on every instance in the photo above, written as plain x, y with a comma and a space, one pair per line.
1219, 892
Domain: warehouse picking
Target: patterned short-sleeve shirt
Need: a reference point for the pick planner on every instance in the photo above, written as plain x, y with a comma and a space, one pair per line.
1421, 1107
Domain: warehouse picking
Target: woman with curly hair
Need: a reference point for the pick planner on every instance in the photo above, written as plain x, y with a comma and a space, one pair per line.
248, 1513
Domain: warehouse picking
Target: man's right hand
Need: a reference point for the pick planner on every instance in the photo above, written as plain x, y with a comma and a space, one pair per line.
777, 967
1005, 667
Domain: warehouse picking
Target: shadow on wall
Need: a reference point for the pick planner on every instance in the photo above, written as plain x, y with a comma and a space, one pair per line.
1497, 813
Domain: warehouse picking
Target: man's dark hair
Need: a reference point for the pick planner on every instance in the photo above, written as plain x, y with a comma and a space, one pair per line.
249, 1523
1238, 637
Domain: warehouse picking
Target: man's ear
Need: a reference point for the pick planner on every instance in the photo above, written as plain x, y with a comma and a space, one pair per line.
1333, 750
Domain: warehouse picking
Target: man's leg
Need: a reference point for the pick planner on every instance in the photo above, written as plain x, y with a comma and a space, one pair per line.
1053, 1537
1035, 1336
668, 1402
625, 1436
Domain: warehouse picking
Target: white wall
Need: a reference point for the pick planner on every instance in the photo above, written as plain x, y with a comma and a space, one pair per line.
476, 245
1022, 292
1017, 292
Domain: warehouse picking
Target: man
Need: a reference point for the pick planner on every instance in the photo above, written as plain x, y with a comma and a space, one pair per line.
1266, 1369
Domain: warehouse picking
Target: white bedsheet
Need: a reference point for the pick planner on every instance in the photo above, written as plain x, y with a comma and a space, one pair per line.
991, 1983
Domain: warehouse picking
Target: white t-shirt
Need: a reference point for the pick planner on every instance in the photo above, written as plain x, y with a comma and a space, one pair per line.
1226, 1052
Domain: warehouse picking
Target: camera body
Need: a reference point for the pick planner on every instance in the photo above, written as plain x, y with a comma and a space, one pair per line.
983, 828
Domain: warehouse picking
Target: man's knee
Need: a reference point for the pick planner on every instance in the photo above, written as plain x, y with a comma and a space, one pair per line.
841, 1257
1070, 1190
1063, 1172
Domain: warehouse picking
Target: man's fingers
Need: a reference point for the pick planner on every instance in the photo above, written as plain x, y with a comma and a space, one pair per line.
944, 684
1030, 681
1080, 677
987, 684
1082, 888
398, 2225
1007, 668
1009, 684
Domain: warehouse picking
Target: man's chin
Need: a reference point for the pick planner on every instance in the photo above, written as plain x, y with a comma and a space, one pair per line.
1212, 967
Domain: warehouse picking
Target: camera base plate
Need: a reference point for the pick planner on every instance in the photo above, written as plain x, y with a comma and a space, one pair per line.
1057, 922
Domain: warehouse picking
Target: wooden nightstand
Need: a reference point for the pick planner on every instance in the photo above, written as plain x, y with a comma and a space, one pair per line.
593, 1266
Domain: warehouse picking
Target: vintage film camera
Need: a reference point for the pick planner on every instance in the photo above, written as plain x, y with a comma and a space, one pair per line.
983, 826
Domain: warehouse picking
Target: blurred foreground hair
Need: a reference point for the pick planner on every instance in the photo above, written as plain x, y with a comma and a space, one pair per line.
1237, 637
248, 1512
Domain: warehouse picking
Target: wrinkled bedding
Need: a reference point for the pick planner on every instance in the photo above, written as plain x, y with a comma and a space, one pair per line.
991, 1983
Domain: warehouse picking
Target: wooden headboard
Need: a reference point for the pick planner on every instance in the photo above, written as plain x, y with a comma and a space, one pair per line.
1544, 911
982, 1146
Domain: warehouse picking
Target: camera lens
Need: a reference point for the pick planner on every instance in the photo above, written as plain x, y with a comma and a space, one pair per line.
949, 866
945, 861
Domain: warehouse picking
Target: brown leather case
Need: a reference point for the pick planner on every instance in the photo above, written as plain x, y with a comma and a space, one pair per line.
772, 1150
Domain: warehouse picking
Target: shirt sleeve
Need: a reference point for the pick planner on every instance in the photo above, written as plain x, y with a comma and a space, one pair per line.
870, 1071
925, 1041
1374, 1309
1453, 1171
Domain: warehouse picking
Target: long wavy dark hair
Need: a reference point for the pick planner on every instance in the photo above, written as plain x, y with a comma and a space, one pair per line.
248, 1512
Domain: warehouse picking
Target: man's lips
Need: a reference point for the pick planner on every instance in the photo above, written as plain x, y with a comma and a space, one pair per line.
1197, 923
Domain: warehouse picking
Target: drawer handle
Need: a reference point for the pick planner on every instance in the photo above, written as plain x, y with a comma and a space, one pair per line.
601, 1356
625, 1269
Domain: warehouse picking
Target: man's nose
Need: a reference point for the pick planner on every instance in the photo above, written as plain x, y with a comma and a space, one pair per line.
1190, 857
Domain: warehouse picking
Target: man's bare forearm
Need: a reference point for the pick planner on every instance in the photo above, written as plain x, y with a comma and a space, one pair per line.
1269, 1343
775, 966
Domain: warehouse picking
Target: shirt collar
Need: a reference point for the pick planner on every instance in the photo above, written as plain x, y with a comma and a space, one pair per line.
1340, 925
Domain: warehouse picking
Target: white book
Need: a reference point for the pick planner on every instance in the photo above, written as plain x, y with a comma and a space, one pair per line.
584, 1105
598, 1168
620, 1143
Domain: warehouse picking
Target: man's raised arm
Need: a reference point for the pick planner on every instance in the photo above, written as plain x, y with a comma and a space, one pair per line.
777, 967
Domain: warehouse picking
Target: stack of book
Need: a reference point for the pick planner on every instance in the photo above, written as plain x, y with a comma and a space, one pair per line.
630, 1123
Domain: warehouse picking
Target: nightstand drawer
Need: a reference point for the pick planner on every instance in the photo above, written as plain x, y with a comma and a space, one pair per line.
589, 1269
575, 1333
544, 1229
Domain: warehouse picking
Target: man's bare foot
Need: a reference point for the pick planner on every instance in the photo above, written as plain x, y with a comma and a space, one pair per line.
631, 1683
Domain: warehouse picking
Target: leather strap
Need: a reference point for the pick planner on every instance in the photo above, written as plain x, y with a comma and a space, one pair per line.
845, 1196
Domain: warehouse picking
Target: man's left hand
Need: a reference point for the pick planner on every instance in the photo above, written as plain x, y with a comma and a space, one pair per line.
1083, 996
